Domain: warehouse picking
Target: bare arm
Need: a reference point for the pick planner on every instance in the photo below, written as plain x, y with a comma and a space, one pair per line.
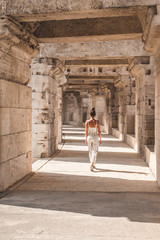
99, 132
86, 130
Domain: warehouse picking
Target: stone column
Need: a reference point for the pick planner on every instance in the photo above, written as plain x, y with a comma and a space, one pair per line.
59, 98
47, 107
120, 84
58, 73
130, 107
114, 102
126, 118
151, 40
44, 89
17, 48
145, 104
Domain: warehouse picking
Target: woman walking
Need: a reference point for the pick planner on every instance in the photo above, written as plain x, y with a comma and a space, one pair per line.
92, 132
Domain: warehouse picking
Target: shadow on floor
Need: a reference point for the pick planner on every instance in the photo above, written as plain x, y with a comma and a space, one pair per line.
136, 207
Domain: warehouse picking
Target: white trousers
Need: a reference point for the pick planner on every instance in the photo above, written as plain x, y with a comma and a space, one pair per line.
93, 147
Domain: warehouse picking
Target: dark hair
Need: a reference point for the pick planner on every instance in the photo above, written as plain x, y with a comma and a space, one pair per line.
92, 112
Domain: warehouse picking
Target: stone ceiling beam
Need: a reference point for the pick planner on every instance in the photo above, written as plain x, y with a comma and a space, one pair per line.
78, 78
97, 62
90, 82
108, 12
23, 8
110, 62
94, 50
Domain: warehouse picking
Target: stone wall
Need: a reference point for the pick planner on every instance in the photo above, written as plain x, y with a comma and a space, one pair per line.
15, 102
15, 132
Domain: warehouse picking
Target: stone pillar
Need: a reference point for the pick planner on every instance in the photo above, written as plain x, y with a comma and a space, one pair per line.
47, 107
114, 103
120, 84
145, 104
126, 118
44, 89
130, 107
58, 73
59, 98
109, 112
151, 40
17, 48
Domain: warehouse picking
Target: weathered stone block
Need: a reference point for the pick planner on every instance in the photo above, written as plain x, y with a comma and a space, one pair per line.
25, 97
40, 100
29, 119
40, 149
39, 83
18, 168
37, 128
40, 136
4, 121
18, 120
41, 116
4, 176
14, 145
25, 142
9, 94
14, 69
9, 147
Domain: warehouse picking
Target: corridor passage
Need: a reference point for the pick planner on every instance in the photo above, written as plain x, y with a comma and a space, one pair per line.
65, 200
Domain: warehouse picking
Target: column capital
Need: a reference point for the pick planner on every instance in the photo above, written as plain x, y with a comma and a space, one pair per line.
118, 82
151, 35
14, 37
58, 71
135, 68
52, 67
17, 48
92, 92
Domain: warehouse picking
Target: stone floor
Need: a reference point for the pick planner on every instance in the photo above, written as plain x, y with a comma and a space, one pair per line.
64, 200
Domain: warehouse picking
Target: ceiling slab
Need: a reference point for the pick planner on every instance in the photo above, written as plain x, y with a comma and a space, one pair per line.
95, 29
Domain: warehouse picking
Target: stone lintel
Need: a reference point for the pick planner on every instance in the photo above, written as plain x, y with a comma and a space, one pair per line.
82, 82
97, 62
99, 13
94, 50
91, 78
64, 7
